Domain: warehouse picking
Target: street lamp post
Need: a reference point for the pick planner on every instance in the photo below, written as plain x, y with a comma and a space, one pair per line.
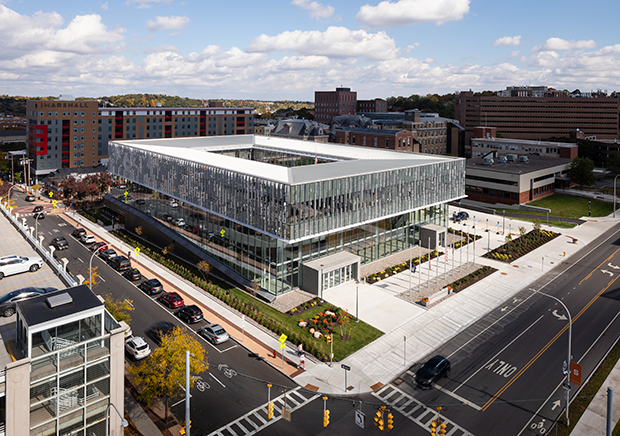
124, 422
321, 282
357, 299
568, 358
504, 223
90, 268
615, 194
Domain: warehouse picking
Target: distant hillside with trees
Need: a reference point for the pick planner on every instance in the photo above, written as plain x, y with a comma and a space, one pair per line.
434, 103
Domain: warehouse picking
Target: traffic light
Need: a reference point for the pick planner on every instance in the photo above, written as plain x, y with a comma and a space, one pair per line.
325, 418
269, 410
390, 421
442, 429
329, 339
434, 428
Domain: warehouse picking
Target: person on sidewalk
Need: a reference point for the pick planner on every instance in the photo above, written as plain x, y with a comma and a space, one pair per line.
300, 349
302, 361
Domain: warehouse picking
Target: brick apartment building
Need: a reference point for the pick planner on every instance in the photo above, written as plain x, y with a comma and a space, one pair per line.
399, 140
377, 105
538, 116
66, 133
330, 104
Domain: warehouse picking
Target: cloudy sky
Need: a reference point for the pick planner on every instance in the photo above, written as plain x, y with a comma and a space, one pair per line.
288, 49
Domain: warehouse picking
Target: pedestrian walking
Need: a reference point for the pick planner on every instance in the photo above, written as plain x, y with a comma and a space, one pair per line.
300, 349
302, 361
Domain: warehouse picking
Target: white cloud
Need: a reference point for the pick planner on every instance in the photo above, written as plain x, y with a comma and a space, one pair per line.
317, 10
335, 42
404, 12
105, 6
144, 4
168, 23
411, 47
508, 40
162, 48
562, 44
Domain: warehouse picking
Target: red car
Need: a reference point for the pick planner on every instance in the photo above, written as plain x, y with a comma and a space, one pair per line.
172, 300
96, 246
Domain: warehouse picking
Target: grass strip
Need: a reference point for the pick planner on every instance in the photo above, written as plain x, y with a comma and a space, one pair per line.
280, 323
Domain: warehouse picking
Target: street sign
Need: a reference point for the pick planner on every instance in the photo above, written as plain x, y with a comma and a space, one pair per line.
360, 418
286, 413
282, 346
282, 338
345, 367
575, 373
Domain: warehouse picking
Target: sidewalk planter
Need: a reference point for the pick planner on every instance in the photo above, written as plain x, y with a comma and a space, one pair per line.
522, 245
470, 279
390, 271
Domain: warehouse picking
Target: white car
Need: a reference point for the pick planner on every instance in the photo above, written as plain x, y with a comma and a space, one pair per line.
180, 222
174, 204
137, 347
88, 239
16, 264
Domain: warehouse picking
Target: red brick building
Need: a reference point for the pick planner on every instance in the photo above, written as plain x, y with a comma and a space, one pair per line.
377, 105
330, 104
399, 140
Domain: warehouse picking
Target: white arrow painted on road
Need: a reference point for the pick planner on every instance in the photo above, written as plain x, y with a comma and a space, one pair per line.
555, 404
504, 308
558, 316
604, 271
613, 266
516, 300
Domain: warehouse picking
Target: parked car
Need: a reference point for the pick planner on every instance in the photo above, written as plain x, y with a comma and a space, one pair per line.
120, 263
98, 245
214, 333
161, 329
433, 370
179, 222
37, 209
88, 239
39, 215
107, 254
30, 197
152, 286
172, 299
16, 264
137, 347
463, 215
60, 243
174, 204
78, 233
190, 314
132, 274
167, 217
140, 201
8, 301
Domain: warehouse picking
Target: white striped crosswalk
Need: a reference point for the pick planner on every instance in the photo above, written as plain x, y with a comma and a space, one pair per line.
256, 420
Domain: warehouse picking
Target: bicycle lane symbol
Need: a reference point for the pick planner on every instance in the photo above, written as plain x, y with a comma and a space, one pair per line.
539, 427
202, 385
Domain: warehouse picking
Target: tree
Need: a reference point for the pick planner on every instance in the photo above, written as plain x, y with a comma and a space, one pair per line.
162, 374
119, 309
204, 268
613, 162
582, 171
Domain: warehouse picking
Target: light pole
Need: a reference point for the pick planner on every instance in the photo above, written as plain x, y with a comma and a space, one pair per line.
187, 393
504, 223
321, 282
90, 267
124, 422
568, 359
357, 299
615, 194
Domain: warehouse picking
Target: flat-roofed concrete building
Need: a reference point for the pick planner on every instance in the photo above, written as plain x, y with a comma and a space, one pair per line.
66, 366
262, 209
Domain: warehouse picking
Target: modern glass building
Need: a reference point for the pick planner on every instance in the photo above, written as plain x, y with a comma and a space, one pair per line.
268, 208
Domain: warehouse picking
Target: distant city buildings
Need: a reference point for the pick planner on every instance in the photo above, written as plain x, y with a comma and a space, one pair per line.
538, 113
343, 101
67, 133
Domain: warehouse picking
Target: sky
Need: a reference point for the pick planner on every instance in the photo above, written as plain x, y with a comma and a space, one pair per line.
286, 50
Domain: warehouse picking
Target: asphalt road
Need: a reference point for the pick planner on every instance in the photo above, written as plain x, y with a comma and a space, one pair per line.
506, 375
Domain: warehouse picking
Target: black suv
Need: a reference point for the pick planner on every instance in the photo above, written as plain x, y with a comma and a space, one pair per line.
78, 233
161, 329
120, 263
152, 286
190, 314
60, 243
434, 369
132, 274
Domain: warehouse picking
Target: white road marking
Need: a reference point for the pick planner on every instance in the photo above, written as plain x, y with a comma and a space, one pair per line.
80, 260
458, 397
102, 279
217, 380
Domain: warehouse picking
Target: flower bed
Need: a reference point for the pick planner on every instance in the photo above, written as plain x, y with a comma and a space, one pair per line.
390, 271
514, 249
470, 279
304, 307
324, 323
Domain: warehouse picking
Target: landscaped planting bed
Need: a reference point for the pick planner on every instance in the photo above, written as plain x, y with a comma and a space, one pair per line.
514, 249
470, 279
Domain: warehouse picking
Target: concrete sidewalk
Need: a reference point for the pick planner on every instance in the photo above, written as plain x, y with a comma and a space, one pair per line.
425, 329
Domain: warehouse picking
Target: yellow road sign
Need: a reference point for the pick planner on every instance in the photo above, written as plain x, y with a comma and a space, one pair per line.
282, 346
283, 338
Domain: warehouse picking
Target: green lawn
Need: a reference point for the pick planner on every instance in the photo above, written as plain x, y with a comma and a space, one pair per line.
361, 333
551, 223
574, 207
